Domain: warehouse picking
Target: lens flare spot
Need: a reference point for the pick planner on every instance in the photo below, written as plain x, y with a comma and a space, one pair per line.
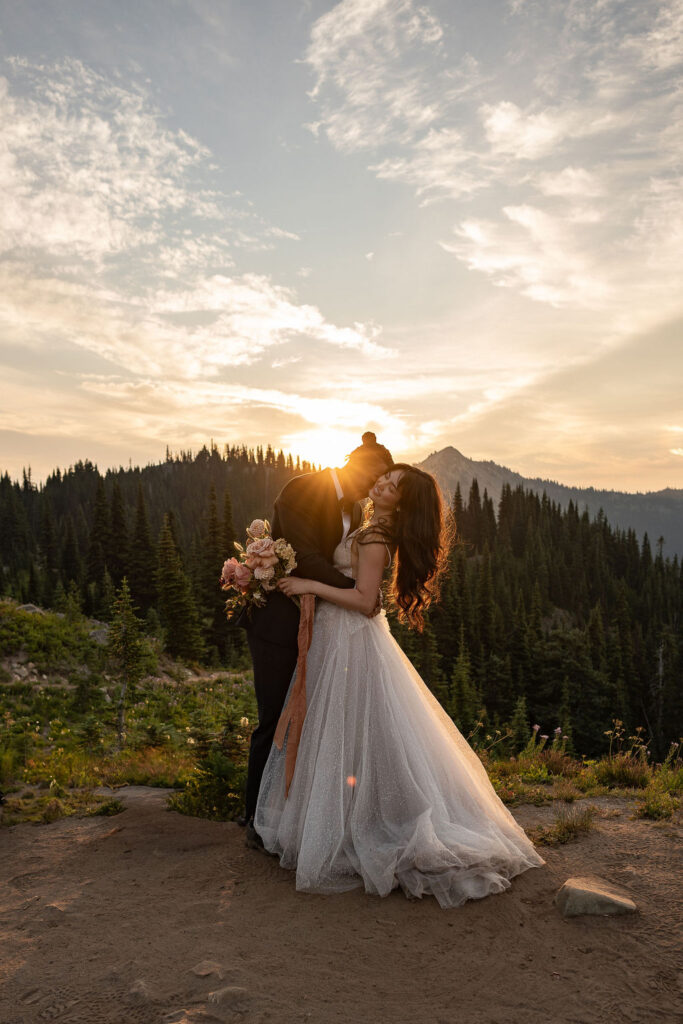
351, 780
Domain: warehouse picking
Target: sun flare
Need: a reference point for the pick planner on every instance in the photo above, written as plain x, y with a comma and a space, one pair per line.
325, 447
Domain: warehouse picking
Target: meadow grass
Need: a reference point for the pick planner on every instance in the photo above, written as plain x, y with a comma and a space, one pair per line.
189, 730
569, 823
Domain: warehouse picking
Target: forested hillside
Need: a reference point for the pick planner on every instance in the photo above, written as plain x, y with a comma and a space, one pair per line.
547, 616
167, 528
657, 513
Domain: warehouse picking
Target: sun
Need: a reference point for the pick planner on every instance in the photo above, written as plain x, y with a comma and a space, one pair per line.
325, 446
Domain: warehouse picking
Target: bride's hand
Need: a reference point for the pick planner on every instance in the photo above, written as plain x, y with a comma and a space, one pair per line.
292, 585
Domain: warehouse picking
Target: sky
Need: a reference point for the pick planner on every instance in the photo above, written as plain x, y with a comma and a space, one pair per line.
288, 221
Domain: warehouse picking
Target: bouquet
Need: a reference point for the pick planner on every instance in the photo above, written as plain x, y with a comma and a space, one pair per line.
258, 568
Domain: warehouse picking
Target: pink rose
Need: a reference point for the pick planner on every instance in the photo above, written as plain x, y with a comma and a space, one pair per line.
264, 546
228, 572
261, 554
242, 575
257, 528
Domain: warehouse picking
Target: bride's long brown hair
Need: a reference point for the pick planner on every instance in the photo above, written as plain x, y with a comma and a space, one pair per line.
420, 532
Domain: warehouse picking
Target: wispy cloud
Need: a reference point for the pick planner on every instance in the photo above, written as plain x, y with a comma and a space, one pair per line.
116, 238
567, 181
377, 87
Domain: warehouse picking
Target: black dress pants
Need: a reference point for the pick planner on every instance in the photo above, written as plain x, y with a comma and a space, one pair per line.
274, 666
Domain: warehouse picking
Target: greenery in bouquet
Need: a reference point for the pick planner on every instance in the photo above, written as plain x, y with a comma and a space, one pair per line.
260, 564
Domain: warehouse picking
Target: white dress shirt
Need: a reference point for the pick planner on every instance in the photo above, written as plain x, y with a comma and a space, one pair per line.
346, 515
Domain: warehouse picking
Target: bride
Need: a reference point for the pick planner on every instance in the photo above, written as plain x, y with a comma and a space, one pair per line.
386, 792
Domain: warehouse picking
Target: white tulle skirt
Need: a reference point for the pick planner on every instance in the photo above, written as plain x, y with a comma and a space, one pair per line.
386, 792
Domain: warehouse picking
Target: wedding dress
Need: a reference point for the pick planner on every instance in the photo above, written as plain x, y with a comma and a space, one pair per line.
386, 791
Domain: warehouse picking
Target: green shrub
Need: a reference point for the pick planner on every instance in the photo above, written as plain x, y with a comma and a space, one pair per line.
623, 771
108, 807
217, 786
656, 804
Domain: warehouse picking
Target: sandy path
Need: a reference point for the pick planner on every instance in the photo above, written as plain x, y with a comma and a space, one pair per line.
104, 920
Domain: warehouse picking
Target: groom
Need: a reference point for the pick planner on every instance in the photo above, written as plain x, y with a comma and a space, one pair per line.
313, 512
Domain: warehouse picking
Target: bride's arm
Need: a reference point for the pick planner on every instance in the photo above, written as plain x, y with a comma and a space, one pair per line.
363, 598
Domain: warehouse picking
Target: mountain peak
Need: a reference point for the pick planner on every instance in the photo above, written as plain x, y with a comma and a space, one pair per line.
657, 513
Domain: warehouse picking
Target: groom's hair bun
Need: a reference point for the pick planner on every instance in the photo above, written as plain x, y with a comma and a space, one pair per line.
371, 452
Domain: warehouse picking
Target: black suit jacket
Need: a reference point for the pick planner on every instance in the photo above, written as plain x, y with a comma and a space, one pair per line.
308, 515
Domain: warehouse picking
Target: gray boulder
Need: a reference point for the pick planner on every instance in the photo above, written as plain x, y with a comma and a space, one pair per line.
33, 609
592, 895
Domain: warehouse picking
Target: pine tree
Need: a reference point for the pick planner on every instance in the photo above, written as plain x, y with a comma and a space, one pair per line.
464, 703
233, 648
566, 718
213, 598
485, 612
97, 555
519, 726
49, 556
128, 648
118, 554
142, 560
177, 608
229, 535
473, 520
427, 660
72, 566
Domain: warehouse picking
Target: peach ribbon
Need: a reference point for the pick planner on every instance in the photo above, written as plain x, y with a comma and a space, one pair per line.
294, 713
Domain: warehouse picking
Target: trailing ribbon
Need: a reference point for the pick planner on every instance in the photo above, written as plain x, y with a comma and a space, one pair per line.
294, 713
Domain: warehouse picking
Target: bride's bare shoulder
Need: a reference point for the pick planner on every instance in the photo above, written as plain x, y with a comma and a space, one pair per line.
375, 545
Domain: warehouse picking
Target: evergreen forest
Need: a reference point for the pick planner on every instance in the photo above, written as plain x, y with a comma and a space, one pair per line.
547, 617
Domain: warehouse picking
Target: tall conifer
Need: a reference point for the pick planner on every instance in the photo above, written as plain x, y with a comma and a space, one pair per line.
118, 555
143, 559
177, 608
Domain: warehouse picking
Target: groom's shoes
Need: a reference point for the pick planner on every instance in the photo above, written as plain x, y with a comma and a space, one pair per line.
252, 839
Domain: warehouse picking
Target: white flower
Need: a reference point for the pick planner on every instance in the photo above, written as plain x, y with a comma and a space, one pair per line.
283, 549
264, 572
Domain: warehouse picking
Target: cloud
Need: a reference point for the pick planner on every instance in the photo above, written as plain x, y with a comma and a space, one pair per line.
438, 166
166, 333
117, 240
562, 163
662, 46
380, 82
90, 172
535, 253
88, 169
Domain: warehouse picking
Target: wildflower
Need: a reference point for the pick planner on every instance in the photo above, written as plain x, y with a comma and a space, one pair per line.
543, 737
536, 728
244, 721
558, 730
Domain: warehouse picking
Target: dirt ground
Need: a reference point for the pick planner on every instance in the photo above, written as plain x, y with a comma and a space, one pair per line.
151, 917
